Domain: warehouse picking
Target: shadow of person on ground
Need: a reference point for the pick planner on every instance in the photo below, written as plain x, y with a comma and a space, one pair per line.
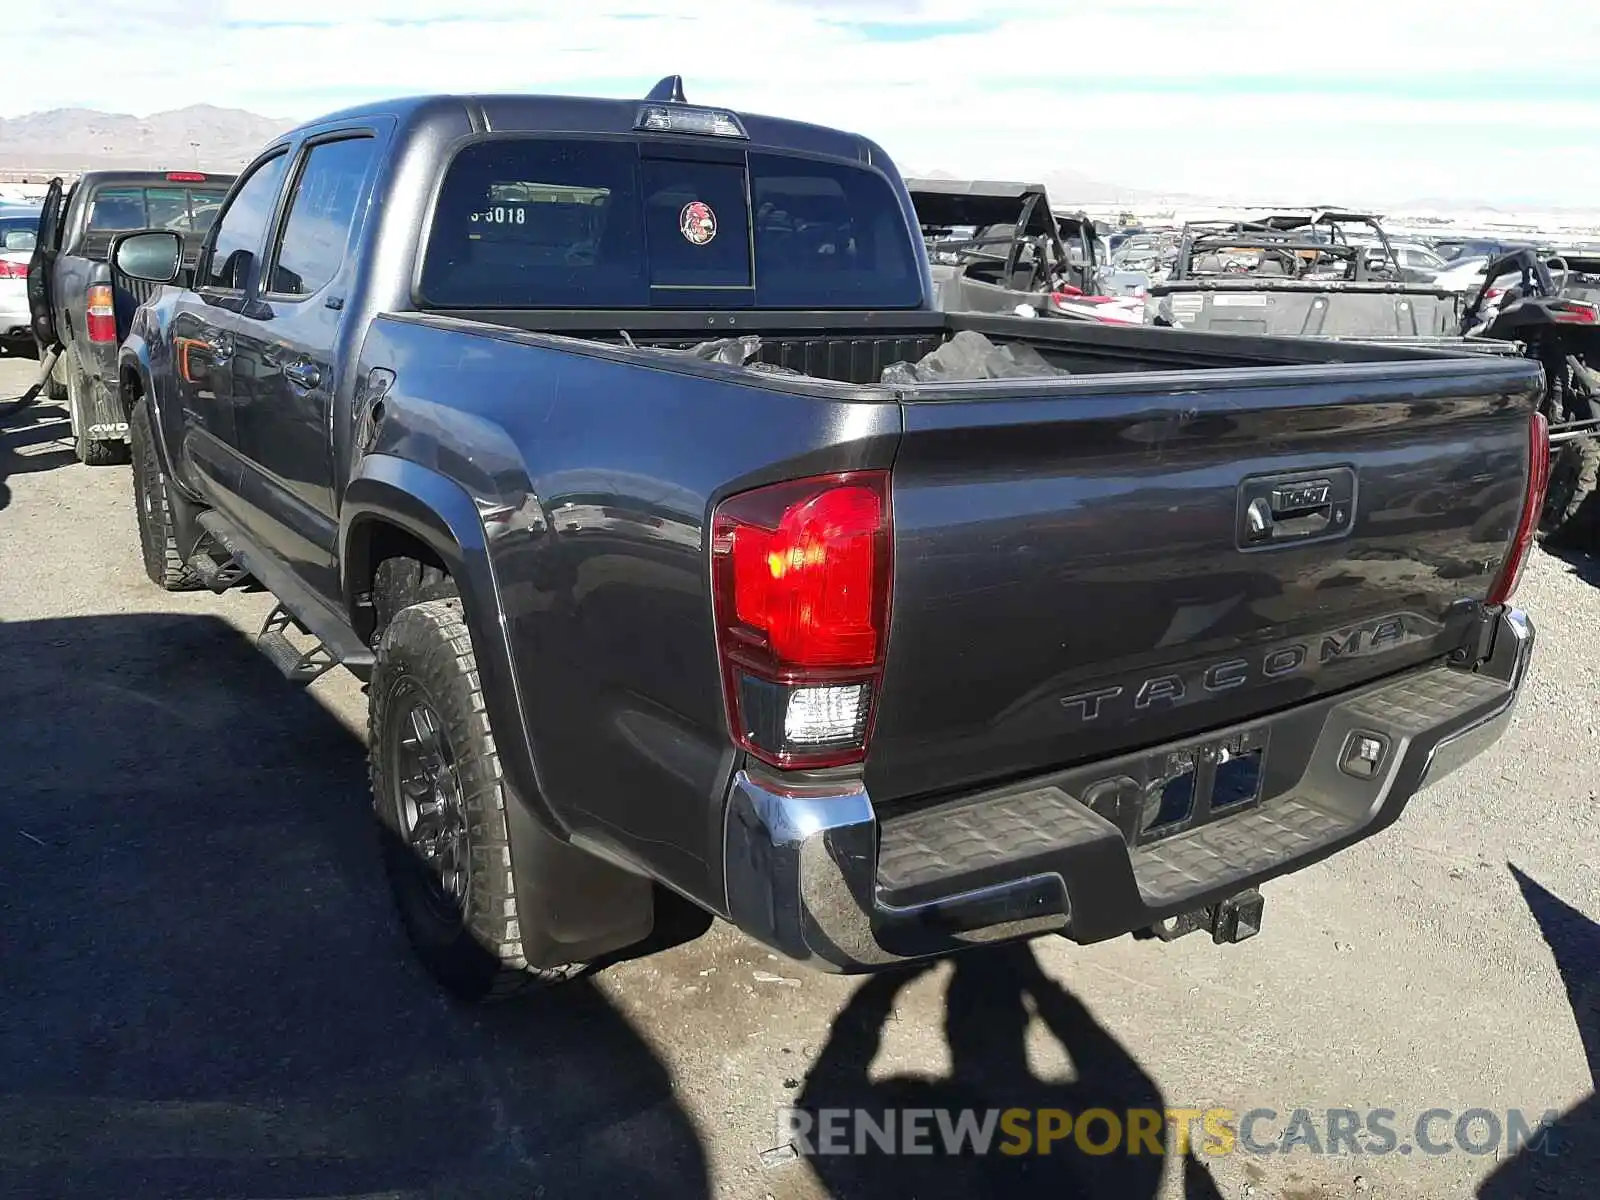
1585, 566
1567, 1162
993, 997
203, 991
23, 438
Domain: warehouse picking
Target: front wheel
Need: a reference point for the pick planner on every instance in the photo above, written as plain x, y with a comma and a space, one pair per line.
440, 799
152, 503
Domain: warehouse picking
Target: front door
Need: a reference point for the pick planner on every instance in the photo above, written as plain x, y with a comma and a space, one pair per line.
41, 270
205, 333
286, 366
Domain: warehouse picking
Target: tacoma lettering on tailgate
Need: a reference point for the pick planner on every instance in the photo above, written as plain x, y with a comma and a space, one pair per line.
1193, 682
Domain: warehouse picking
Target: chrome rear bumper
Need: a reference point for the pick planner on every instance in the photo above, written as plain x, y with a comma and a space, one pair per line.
817, 875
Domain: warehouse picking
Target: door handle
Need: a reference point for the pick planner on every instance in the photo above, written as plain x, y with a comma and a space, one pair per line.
303, 375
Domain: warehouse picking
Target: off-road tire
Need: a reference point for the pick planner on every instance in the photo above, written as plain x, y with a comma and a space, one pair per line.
1571, 515
91, 452
54, 390
152, 506
478, 955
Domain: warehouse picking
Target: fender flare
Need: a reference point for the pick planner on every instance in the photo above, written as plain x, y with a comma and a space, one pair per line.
576, 907
439, 513
135, 353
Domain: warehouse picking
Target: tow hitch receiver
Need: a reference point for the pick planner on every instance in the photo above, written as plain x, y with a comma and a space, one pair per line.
1233, 920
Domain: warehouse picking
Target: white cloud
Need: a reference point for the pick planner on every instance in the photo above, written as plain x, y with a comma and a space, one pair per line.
1244, 96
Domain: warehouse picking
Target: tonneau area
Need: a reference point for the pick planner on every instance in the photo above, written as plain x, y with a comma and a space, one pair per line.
856, 348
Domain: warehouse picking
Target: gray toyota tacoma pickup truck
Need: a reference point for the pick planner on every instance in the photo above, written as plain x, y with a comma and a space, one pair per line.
688, 551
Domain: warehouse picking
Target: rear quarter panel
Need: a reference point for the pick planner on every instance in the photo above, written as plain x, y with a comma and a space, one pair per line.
595, 478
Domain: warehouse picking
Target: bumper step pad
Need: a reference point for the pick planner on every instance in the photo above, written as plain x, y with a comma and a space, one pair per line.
1309, 808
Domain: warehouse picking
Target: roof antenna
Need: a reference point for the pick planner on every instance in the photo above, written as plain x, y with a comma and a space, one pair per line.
669, 90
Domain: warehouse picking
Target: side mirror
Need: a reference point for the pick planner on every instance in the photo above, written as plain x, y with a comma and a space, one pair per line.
155, 256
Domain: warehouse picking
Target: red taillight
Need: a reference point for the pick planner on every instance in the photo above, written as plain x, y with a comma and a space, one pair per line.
185, 177
1576, 312
1533, 504
802, 572
102, 323
13, 270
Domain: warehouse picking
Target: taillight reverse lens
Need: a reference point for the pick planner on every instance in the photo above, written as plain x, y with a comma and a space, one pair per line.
101, 324
802, 578
1533, 504
1576, 312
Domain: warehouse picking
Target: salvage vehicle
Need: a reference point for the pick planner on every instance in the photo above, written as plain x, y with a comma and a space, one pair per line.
995, 246
1454, 249
18, 227
1548, 303
687, 549
1136, 262
73, 297
1300, 274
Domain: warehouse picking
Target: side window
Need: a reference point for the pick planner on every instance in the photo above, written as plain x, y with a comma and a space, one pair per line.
243, 226
322, 211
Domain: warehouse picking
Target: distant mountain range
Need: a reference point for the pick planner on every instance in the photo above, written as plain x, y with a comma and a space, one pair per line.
78, 139
224, 139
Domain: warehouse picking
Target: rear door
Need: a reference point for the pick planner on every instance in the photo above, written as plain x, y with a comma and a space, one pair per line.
1082, 574
41, 269
285, 366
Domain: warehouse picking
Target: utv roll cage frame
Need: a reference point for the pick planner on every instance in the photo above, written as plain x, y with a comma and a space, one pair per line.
1006, 219
1295, 245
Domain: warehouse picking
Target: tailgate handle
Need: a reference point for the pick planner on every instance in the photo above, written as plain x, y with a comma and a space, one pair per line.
1279, 509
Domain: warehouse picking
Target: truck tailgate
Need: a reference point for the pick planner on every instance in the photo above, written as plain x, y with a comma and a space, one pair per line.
1099, 564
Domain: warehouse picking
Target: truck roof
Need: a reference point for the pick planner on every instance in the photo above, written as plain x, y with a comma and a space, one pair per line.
533, 113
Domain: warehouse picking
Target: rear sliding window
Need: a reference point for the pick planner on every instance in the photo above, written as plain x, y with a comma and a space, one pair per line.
181, 209
592, 223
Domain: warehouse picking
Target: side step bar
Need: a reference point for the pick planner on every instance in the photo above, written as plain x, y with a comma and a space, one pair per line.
218, 576
298, 608
294, 664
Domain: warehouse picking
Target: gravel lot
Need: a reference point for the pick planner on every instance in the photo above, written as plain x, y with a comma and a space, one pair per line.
203, 993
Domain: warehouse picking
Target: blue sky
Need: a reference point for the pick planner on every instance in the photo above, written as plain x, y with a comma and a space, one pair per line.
1359, 101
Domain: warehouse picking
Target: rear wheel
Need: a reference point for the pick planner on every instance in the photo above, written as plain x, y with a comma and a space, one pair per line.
158, 540
440, 799
91, 451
